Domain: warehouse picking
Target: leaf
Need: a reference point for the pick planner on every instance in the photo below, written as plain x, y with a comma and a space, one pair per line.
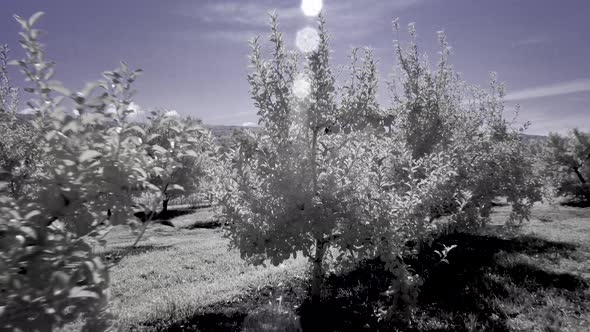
140, 171
89, 154
61, 277
33, 20
158, 170
190, 153
79, 292
152, 137
20, 63
24, 24
71, 126
89, 88
159, 149
32, 214
152, 186
137, 129
177, 187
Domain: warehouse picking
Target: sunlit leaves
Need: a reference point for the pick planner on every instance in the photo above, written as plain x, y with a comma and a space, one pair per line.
89, 155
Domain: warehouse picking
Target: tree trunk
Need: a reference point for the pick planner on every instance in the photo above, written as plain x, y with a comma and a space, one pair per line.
585, 190
165, 205
580, 177
317, 273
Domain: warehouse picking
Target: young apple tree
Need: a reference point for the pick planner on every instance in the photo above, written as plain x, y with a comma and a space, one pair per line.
567, 161
337, 171
8, 93
321, 173
19, 154
285, 197
437, 112
180, 151
50, 274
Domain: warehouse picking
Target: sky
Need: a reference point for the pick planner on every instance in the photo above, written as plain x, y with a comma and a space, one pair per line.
195, 53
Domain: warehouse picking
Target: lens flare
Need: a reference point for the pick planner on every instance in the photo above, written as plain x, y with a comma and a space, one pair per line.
307, 40
311, 7
301, 86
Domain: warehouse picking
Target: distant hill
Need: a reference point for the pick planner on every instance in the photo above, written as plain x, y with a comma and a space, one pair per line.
220, 131
534, 138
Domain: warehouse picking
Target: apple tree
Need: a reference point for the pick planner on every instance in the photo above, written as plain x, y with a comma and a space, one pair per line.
567, 163
49, 273
181, 152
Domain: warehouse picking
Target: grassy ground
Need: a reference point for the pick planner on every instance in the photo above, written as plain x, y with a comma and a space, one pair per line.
184, 278
175, 272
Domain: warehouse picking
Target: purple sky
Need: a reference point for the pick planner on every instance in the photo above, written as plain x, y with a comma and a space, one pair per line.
194, 53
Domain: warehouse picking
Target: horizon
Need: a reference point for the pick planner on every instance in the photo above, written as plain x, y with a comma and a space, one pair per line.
194, 53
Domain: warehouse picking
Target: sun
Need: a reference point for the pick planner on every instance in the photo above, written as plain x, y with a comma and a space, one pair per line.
311, 7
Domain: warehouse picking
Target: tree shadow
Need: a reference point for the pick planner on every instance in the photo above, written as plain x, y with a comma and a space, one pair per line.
161, 216
115, 255
476, 276
204, 224
576, 203
229, 316
212, 322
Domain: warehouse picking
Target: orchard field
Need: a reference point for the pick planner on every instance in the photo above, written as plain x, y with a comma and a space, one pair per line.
535, 279
336, 212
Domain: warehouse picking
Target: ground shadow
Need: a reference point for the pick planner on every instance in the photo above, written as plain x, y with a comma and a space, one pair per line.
205, 224
115, 255
167, 215
576, 203
468, 286
211, 320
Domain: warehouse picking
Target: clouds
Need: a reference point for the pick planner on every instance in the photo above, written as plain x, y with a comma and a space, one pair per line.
542, 124
254, 14
530, 41
172, 113
556, 107
237, 21
238, 37
555, 89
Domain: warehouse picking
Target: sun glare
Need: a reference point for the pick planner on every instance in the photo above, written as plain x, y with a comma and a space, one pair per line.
301, 86
311, 7
307, 39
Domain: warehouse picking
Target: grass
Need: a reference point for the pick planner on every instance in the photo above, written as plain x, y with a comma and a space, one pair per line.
174, 273
536, 279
